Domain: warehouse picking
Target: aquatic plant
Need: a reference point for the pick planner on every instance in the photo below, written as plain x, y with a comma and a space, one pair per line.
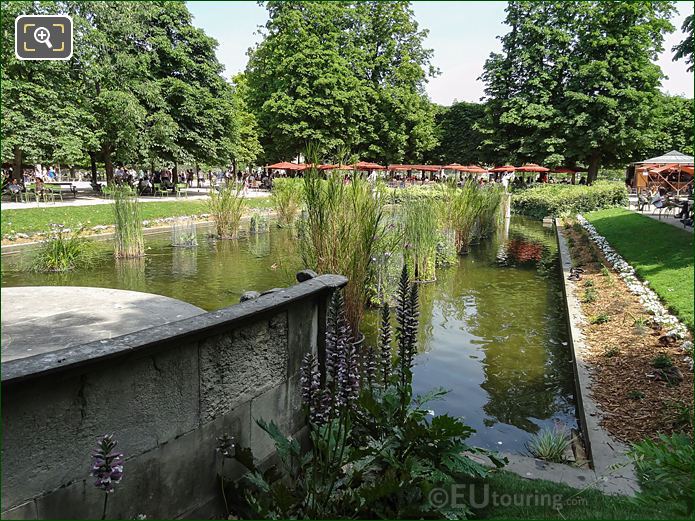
340, 232
464, 207
226, 207
489, 210
258, 223
64, 251
183, 233
550, 444
286, 196
129, 239
107, 467
420, 236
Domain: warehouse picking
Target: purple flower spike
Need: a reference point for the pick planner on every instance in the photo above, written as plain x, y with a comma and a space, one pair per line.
107, 465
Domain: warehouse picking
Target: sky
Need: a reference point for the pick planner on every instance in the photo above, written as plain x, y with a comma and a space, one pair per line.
462, 34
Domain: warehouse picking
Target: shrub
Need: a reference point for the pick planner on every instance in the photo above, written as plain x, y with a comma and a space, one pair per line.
662, 361
665, 468
129, 241
550, 444
564, 200
64, 252
287, 199
226, 206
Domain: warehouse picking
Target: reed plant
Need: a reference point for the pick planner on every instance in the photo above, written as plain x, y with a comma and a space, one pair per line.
226, 206
340, 231
286, 196
420, 236
130, 241
463, 207
490, 210
64, 251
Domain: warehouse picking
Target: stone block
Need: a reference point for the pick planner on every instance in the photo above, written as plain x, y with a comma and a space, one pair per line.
163, 483
302, 321
273, 405
50, 426
242, 364
24, 511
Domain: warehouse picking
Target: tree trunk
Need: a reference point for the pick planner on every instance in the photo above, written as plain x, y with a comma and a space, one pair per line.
108, 163
175, 173
594, 163
17, 166
93, 163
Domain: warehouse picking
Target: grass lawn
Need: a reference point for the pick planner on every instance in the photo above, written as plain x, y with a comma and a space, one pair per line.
28, 220
659, 252
519, 498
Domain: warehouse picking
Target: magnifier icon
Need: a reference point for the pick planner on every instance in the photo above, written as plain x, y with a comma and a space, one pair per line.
43, 35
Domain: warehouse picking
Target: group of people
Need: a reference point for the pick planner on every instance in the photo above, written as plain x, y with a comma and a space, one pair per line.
38, 177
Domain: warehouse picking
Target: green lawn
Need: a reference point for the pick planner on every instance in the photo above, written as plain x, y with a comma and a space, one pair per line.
519, 498
29, 220
659, 252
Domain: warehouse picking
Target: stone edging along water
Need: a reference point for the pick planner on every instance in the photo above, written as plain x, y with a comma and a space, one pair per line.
612, 468
647, 297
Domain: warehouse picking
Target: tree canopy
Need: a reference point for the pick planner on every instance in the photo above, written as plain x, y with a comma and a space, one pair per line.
576, 81
143, 85
342, 75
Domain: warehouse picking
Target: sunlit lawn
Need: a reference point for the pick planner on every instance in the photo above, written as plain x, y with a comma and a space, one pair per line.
660, 253
29, 220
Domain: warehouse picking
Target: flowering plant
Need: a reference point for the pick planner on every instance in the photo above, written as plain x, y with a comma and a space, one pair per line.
374, 451
107, 467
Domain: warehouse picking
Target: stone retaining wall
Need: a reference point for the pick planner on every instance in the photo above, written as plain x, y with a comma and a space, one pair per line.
166, 393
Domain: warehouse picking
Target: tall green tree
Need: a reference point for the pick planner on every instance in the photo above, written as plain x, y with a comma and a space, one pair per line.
343, 76
614, 80
684, 50
576, 81
670, 127
459, 135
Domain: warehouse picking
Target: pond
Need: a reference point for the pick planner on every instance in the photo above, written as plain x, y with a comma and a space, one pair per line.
492, 327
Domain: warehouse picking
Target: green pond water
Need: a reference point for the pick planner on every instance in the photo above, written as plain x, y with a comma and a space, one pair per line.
492, 327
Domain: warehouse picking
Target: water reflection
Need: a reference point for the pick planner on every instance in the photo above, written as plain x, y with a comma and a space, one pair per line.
492, 328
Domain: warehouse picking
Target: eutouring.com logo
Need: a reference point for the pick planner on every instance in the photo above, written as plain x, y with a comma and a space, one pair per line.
480, 496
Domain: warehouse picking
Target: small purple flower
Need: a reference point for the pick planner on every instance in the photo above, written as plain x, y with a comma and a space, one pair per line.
107, 465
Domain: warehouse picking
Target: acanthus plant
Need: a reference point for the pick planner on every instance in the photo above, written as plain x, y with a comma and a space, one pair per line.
374, 449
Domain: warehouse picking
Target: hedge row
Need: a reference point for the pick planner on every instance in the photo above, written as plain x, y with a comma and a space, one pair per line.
560, 200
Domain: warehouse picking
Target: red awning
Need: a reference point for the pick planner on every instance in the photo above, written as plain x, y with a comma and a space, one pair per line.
286, 166
475, 169
400, 167
505, 168
532, 167
365, 165
665, 168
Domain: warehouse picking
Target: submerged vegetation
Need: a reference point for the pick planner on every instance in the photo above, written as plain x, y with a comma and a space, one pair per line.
226, 207
64, 251
129, 239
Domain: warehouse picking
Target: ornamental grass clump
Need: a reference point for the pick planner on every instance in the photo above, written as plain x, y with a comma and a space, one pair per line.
64, 251
107, 467
286, 196
463, 210
340, 233
550, 444
374, 451
490, 210
226, 207
421, 236
129, 238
